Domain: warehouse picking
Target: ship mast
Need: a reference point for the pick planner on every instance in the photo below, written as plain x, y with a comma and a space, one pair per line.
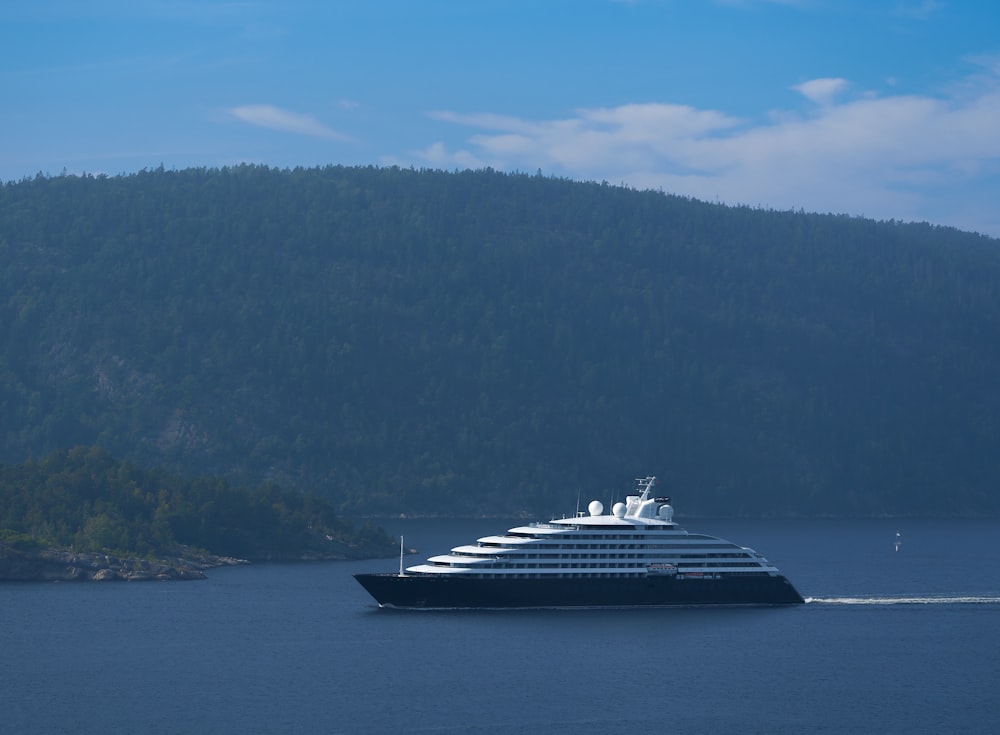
645, 486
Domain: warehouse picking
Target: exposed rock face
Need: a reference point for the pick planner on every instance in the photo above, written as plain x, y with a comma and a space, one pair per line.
19, 565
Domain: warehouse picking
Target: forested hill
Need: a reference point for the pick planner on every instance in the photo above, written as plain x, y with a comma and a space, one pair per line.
83, 499
430, 342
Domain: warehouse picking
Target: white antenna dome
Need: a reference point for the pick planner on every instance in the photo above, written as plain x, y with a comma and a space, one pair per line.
619, 510
596, 507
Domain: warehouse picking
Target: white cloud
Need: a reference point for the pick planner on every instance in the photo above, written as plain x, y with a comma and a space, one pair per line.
897, 156
822, 91
989, 65
437, 155
598, 137
275, 118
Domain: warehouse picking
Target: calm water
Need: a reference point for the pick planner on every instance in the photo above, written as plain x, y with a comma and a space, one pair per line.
890, 642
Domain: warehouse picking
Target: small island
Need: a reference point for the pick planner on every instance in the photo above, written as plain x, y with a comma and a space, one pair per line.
82, 515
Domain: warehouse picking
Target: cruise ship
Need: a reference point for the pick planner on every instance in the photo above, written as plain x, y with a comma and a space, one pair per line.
635, 556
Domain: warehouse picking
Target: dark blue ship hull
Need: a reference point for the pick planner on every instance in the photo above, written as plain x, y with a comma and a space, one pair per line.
442, 592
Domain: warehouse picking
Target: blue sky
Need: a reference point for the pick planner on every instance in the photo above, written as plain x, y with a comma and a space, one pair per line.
882, 108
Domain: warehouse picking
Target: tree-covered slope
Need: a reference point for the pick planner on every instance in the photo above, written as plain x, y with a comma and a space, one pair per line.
423, 341
86, 500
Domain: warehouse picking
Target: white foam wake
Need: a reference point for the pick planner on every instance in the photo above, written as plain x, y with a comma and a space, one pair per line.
922, 600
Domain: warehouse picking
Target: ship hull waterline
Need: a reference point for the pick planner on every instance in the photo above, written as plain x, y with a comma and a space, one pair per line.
438, 592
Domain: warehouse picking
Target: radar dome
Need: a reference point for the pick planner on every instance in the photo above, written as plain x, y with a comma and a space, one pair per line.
596, 507
619, 510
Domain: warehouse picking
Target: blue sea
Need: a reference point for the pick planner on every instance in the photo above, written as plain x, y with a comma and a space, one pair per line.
889, 641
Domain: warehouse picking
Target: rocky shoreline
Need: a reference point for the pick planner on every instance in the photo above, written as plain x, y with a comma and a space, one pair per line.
52, 564
62, 565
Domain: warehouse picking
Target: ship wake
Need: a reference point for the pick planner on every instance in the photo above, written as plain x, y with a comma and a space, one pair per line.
906, 600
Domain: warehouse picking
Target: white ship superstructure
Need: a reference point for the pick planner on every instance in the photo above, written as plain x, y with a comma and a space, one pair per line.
637, 539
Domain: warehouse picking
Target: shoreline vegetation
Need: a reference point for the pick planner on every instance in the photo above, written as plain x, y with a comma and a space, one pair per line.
82, 515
